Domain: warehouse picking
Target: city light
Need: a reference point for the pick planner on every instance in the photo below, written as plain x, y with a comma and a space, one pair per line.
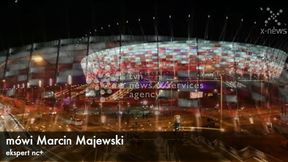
37, 58
50, 82
40, 83
69, 79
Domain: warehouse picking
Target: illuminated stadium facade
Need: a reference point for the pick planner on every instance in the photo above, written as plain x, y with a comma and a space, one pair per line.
183, 58
135, 69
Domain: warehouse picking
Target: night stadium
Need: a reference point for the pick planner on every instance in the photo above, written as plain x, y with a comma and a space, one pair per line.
197, 83
145, 75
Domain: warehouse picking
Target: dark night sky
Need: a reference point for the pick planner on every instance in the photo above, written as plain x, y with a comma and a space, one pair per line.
42, 20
